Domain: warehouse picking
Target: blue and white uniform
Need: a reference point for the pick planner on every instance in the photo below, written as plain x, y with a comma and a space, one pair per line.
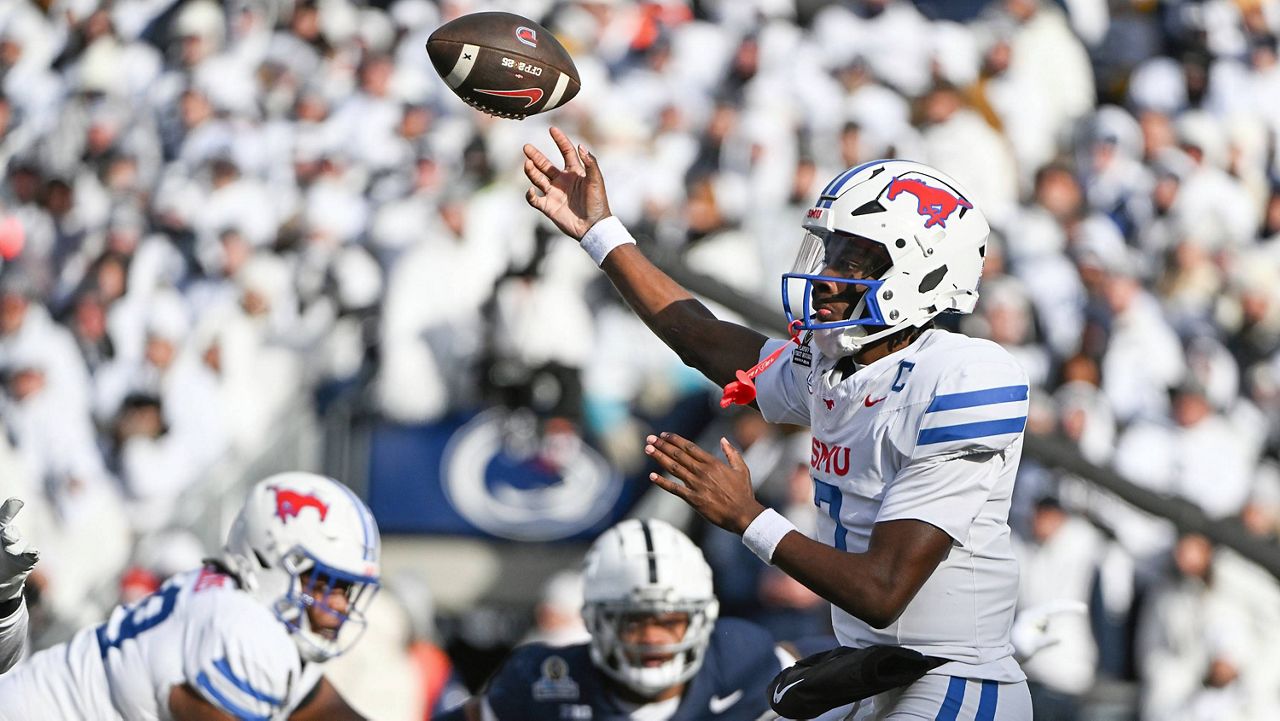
931, 432
545, 683
199, 629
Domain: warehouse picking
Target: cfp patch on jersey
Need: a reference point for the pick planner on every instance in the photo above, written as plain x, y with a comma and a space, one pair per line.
803, 354
555, 684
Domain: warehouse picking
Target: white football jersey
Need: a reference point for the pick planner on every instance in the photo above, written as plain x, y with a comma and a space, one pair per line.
932, 432
199, 629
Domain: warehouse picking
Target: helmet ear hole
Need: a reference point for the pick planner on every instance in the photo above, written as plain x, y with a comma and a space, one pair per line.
932, 279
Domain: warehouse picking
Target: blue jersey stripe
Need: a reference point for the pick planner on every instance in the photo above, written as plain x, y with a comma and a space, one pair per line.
965, 431
969, 399
203, 682
225, 669
987, 701
951, 704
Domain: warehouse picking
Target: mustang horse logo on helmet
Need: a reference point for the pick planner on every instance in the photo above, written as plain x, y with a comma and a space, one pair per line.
933, 203
290, 503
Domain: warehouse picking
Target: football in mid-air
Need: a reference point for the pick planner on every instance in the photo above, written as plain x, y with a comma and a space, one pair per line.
503, 64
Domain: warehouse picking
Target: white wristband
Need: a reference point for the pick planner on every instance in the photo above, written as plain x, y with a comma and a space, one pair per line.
604, 236
765, 533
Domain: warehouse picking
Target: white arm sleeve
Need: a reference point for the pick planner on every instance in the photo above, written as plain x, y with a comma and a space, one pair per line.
13, 637
955, 446
946, 493
781, 390
240, 658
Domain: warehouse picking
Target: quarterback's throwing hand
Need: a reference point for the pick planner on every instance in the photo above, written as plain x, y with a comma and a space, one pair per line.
17, 557
573, 197
720, 492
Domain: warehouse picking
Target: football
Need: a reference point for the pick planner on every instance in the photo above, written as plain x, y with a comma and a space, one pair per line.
503, 64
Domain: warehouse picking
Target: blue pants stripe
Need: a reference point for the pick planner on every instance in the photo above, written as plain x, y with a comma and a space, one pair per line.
951, 704
987, 701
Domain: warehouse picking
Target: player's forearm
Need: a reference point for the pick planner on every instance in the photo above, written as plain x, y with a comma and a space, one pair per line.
716, 348
854, 582
325, 704
875, 585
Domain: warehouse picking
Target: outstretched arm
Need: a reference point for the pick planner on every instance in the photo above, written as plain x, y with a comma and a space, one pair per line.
574, 198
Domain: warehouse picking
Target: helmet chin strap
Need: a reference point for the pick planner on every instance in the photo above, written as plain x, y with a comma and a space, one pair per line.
841, 342
652, 681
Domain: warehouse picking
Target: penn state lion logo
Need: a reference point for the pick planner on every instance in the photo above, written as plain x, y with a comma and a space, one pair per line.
515, 496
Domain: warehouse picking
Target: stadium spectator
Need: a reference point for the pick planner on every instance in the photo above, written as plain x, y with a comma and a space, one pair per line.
1058, 563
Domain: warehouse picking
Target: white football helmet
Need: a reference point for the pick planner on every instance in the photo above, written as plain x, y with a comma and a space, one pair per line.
295, 532
647, 567
935, 238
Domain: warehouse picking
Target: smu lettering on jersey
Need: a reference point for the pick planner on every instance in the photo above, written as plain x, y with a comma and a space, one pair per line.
199, 629
545, 683
931, 432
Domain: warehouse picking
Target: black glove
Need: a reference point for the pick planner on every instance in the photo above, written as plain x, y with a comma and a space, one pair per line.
818, 683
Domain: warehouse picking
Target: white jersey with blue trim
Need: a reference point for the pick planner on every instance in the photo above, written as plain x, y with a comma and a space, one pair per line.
931, 432
199, 629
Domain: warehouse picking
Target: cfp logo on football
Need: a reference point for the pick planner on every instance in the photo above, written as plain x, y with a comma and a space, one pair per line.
510, 494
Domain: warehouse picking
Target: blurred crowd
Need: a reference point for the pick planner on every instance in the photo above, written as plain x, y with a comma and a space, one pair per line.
209, 211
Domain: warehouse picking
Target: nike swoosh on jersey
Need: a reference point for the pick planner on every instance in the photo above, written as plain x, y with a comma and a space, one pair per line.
868, 402
720, 704
777, 695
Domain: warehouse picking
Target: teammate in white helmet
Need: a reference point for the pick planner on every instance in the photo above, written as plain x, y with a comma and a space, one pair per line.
244, 637
917, 432
658, 651
17, 558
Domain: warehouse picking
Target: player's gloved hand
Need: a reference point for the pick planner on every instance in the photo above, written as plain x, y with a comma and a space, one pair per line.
573, 198
17, 557
1033, 629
